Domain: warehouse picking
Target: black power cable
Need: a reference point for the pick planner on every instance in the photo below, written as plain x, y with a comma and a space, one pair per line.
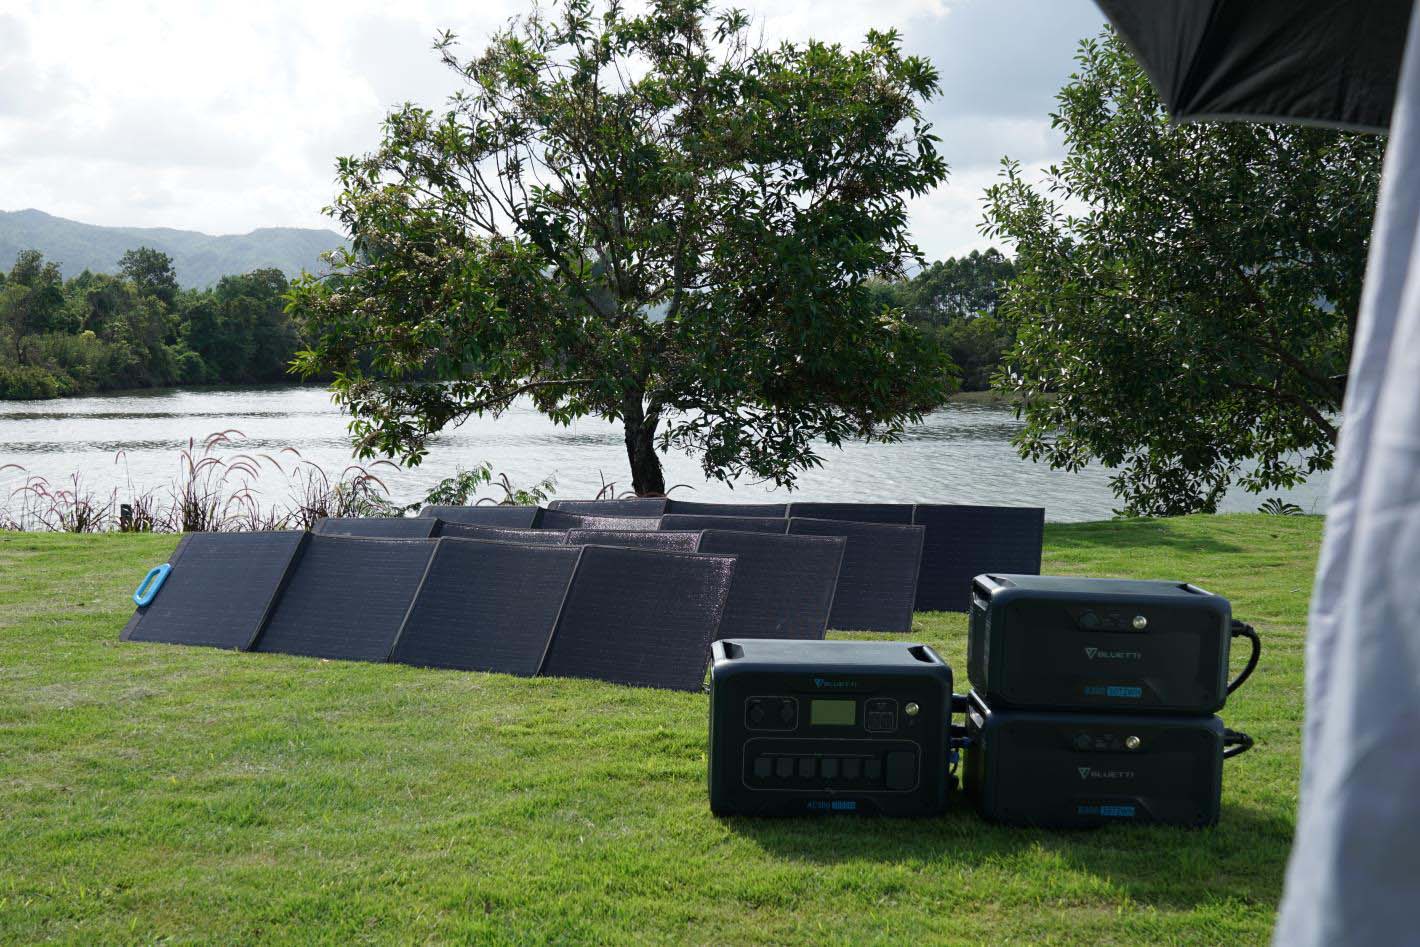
1236, 743
1244, 630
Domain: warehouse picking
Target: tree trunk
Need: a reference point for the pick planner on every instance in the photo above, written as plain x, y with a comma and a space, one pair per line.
646, 476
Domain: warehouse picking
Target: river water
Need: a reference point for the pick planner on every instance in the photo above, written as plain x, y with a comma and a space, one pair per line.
130, 442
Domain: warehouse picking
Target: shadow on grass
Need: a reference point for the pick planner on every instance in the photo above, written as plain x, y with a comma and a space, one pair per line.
1132, 534
1244, 857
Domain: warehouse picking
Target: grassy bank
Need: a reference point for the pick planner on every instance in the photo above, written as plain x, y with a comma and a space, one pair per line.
154, 792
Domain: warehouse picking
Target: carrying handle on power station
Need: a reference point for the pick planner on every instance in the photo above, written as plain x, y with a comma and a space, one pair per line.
1244, 630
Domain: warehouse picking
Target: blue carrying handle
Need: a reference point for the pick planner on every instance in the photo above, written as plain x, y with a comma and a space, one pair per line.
148, 589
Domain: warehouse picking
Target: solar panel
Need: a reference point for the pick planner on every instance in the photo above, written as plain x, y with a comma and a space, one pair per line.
346, 597
378, 527
487, 514
631, 506
487, 606
877, 584
854, 512
636, 538
219, 590
693, 508
527, 537
963, 542
640, 617
783, 586
756, 524
557, 519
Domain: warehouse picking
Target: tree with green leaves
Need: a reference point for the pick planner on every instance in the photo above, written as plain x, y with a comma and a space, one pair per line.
1185, 295
152, 274
643, 217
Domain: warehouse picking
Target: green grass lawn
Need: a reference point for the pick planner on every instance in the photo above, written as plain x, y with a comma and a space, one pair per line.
152, 792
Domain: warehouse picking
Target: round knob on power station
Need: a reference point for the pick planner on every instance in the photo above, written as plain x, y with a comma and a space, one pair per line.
1132, 742
1140, 623
912, 710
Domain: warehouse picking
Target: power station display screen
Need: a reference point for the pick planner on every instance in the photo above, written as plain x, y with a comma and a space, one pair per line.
833, 713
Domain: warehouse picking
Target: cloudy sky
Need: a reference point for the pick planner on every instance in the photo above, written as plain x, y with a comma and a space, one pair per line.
224, 117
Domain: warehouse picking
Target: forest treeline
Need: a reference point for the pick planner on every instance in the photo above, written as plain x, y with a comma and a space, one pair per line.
956, 299
137, 328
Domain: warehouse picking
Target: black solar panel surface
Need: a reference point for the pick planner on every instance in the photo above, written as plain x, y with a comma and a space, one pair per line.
487, 606
963, 542
557, 519
877, 583
756, 524
347, 597
631, 506
635, 538
640, 617
218, 591
783, 586
377, 527
528, 537
487, 514
694, 508
855, 512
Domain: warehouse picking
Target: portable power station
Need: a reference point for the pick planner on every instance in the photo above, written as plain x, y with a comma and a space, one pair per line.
1063, 770
819, 727
1067, 643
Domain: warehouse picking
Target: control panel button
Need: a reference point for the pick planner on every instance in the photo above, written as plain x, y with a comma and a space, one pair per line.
1089, 621
829, 768
852, 767
756, 714
901, 767
784, 767
880, 715
807, 767
873, 769
786, 712
762, 767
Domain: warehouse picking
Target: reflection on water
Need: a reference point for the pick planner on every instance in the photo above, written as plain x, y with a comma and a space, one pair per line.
961, 454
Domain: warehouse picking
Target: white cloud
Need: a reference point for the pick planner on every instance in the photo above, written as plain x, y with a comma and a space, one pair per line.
226, 117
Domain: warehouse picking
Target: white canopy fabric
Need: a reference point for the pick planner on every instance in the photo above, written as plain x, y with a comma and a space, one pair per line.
1354, 876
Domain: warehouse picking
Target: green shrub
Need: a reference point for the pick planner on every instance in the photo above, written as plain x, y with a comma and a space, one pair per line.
28, 383
192, 370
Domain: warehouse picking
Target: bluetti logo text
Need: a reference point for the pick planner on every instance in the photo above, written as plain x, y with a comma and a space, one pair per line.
1089, 772
1103, 655
824, 682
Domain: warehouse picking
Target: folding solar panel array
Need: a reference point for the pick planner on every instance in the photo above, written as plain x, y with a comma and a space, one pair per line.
630, 591
446, 602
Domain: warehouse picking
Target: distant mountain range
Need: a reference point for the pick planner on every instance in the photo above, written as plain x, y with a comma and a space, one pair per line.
199, 259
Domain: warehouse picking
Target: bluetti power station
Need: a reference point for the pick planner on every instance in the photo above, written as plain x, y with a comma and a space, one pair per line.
1064, 770
818, 727
1067, 643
